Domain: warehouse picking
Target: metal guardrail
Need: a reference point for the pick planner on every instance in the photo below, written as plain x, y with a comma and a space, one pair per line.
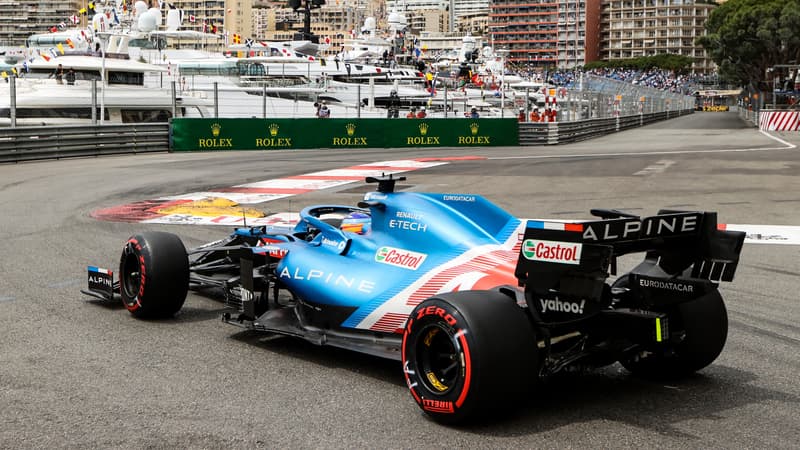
69, 141
555, 133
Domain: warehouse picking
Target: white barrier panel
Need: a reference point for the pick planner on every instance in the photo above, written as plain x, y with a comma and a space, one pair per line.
779, 121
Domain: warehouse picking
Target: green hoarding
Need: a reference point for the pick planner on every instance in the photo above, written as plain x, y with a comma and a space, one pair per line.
269, 134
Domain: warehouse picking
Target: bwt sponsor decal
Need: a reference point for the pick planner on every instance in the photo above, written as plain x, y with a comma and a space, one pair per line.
400, 258
552, 251
559, 306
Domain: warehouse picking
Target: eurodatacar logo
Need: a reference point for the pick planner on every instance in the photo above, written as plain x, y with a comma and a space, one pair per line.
215, 141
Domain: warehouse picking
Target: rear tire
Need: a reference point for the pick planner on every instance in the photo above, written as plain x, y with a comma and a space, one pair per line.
705, 324
468, 352
154, 275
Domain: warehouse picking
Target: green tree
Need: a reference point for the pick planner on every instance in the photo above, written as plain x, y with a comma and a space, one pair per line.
747, 37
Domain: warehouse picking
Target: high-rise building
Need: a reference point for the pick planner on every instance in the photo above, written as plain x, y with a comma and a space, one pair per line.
634, 28
20, 19
546, 33
456, 10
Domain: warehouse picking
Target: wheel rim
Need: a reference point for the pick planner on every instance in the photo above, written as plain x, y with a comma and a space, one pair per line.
131, 279
438, 359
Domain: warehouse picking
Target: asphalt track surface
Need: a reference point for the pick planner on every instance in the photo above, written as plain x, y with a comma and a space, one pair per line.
75, 373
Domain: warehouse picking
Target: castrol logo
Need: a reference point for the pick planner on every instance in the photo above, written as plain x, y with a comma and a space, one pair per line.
400, 257
552, 251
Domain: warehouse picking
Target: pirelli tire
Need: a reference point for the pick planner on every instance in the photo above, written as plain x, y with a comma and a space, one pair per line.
467, 354
154, 275
701, 329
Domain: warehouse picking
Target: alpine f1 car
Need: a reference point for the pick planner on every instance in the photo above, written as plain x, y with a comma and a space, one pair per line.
478, 305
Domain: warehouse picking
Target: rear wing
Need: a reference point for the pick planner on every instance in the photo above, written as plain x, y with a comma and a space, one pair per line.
575, 258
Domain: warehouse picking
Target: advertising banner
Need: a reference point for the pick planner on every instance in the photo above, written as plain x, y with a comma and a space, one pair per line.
269, 134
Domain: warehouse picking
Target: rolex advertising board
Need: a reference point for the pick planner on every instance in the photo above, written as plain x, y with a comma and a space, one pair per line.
268, 134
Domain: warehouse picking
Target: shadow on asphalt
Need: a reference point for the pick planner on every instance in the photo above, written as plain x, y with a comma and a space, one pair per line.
608, 394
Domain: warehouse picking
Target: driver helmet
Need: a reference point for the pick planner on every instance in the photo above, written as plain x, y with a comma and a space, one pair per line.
357, 222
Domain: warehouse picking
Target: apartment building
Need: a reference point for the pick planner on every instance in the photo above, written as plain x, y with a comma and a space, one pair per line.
546, 33
456, 10
18, 20
635, 28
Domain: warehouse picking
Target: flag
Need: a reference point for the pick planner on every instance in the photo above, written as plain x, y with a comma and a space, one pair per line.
237, 39
69, 42
53, 52
74, 19
60, 48
62, 25
192, 18
44, 56
91, 7
82, 11
14, 69
249, 42
53, 29
5, 75
25, 66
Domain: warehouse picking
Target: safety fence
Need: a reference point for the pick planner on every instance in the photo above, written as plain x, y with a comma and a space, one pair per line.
37, 143
49, 142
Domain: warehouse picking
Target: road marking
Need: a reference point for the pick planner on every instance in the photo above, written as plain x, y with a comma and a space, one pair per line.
788, 146
6, 299
223, 206
767, 234
658, 167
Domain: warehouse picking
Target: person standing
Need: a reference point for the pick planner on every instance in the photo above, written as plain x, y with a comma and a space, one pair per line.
70, 76
394, 105
535, 117
58, 74
324, 112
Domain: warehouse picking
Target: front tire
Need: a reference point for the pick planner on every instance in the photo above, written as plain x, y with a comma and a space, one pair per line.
704, 323
468, 352
154, 275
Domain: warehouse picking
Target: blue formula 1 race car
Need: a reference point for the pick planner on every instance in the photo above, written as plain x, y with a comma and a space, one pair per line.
478, 305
